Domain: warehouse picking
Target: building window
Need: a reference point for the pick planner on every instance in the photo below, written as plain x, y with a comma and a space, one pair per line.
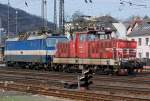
140, 55
147, 55
146, 41
139, 41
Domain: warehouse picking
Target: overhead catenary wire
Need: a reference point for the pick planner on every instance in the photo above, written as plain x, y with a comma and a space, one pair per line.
88, 1
131, 3
135, 4
8, 17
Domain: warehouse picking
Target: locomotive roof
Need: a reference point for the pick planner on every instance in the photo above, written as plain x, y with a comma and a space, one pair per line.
33, 37
94, 32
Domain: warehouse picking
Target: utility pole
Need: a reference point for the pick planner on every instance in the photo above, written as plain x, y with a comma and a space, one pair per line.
16, 22
0, 31
61, 16
55, 15
0, 22
45, 7
8, 22
44, 13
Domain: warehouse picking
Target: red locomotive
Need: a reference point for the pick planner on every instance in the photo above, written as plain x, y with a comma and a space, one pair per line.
96, 50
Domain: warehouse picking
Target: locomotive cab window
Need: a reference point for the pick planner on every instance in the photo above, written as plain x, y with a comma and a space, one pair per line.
86, 37
83, 37
62, 40
92, 37
50, 42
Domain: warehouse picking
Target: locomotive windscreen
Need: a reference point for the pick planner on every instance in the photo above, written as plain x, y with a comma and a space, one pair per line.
51, 42
91, 36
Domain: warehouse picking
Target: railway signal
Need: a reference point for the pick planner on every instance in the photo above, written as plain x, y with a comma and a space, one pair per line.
85, 80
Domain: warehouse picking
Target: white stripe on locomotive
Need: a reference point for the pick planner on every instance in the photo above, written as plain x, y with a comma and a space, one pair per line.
30, 52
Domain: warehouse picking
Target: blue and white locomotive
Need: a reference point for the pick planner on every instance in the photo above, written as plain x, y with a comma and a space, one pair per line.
31, 51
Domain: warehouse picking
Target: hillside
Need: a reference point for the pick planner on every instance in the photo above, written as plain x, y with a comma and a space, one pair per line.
26, 21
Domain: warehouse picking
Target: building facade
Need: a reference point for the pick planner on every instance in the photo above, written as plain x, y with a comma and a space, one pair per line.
143, 45
141, 34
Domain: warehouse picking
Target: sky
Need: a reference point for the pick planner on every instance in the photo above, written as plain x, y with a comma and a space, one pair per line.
97, 8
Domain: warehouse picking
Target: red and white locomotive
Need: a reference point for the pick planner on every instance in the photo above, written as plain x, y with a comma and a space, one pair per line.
96, 50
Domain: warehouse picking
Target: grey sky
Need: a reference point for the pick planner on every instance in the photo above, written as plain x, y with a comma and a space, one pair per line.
97, 8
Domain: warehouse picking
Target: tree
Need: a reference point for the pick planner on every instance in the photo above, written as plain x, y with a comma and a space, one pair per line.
146, 17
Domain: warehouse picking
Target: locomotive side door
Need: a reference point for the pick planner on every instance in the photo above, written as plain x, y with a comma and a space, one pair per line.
50, 48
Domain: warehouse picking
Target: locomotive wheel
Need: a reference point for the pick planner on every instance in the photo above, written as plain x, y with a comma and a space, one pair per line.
105, 70
122, 72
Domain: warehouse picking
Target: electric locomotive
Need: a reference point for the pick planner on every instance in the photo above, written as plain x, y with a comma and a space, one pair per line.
31, 51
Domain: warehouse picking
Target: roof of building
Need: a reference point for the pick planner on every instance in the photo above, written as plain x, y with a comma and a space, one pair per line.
126, 24
121, 29
107, 21
142, 29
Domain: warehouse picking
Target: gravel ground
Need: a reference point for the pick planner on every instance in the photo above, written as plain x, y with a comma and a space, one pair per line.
19, 96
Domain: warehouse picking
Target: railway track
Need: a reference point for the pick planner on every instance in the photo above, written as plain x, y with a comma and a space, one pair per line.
45, 73
96, 86
73, 77
101, 80
60, 79
70, 94
52, 80
123, 91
